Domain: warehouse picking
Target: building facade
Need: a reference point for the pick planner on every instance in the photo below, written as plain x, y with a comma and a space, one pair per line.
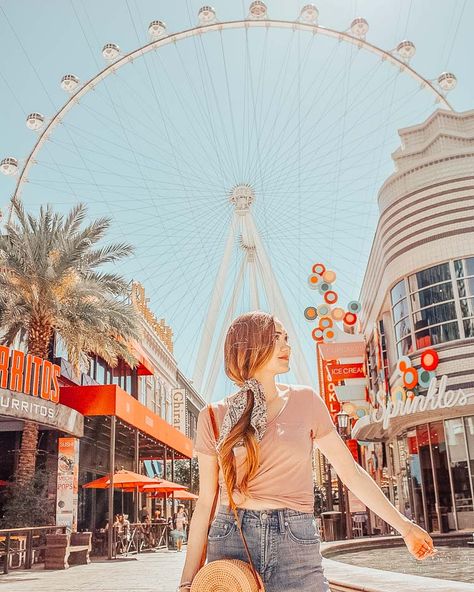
418, 304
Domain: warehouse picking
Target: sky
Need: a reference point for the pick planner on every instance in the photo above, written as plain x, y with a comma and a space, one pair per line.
157, 146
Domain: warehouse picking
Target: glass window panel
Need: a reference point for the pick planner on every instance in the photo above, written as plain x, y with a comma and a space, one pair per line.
405, 346
430, 276
100, 377
434, 335
434, 314
464, 267
441, 474
427, 480
398, 291
433, 295
400, 310
469, 426
467, 307
466, 287
459, 465
469, 327
402, 329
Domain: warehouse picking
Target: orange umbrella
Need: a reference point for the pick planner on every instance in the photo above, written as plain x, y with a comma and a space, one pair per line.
185, 495
123, 479
163, 487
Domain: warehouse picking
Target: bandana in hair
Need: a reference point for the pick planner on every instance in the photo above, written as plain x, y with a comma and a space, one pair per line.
236, 406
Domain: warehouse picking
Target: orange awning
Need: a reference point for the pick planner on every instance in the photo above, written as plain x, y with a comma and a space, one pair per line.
110, 399
145, 367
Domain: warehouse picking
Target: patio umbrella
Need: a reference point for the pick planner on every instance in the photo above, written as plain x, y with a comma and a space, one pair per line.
185, 495
163, 487
123, 479
127, 481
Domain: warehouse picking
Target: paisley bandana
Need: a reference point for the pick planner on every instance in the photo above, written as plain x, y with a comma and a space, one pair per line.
237, 403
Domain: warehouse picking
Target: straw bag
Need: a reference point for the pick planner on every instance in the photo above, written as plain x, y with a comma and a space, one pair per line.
226, 575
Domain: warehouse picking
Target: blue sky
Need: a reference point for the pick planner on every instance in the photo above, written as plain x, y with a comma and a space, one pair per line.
309, 122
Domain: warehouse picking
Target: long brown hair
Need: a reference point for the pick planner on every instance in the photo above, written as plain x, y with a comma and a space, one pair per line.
249, 344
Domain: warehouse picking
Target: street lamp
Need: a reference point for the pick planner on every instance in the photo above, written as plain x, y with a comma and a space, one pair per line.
343, 428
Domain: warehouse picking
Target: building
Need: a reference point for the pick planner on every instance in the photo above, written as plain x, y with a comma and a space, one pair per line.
141, 419
418, 320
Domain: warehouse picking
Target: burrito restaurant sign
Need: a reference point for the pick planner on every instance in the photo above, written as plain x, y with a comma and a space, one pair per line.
29, 389
31, 375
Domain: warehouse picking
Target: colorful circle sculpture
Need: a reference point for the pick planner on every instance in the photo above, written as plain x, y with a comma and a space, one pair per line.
324, 287
314, 280
321, 279
338, 313
317, 334
410, 378
354, 306
429, 359
425, 377
325, 322
350, 319
318, 268
403, 364
310, 313
323, 310
398, 394
329, 276
329, 334
330, 297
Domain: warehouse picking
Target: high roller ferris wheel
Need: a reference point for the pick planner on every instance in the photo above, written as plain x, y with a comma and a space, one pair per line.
248, 154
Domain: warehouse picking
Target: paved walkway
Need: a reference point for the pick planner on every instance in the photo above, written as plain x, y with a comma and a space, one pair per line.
149, 572
160, 572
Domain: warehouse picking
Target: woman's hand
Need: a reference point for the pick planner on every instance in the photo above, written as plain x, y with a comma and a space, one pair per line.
419, 542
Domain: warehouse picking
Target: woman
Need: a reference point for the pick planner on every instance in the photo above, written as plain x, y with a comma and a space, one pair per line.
180, 521
268, 428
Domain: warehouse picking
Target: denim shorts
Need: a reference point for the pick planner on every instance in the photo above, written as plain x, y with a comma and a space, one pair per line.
284, 545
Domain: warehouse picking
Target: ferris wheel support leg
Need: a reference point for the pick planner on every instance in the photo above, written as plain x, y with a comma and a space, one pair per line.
254, 299
213, 309
279, 308
217, 358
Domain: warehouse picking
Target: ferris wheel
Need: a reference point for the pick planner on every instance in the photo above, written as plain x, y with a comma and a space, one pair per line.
233, 154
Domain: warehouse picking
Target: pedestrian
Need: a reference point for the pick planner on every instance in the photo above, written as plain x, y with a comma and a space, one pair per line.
180, 521
144, 514
261, 465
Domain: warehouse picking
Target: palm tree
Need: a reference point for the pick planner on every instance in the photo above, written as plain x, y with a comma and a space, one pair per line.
50, 285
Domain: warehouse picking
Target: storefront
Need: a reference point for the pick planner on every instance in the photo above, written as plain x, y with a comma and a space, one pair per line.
29, 391
418, 321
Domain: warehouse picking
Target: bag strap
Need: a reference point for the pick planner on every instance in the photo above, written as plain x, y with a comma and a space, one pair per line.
247, 551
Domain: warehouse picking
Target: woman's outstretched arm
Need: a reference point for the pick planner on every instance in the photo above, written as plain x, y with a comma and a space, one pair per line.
362, 485
198, 527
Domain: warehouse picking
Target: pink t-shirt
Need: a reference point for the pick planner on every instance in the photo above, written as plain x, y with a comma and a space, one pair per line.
284, 478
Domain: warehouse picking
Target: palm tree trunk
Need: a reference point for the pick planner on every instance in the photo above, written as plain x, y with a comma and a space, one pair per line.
39, 336
27, 458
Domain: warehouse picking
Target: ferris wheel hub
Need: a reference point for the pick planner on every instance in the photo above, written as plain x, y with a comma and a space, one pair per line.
242, 196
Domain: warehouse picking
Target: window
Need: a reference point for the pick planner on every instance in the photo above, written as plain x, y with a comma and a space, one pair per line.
405, 346
434, 315
428, 277
464, 267
466, 287
437, 334
432, 295
398, 292
401, 318
467, 307
400, 310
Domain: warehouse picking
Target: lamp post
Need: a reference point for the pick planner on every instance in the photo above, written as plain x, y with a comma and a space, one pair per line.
343, 427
